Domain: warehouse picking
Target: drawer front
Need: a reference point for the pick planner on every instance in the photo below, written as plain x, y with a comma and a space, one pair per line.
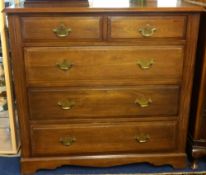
88, 139
107, 103
127, 27
115, 65
61, 28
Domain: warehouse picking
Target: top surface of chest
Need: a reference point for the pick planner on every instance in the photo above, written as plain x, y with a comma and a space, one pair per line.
73, 6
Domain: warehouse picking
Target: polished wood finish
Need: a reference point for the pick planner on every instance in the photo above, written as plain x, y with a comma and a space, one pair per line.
32, 164
76, 6
122, 27
109, 103
197, 134
91, 139
41, 28
111, 96
104, 65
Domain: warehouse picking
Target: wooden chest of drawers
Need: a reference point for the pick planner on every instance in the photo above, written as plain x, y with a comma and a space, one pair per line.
103, 86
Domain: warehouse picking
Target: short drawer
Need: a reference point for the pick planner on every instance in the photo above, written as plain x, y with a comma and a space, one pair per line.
133, 27
105, 65
104, 138
61, 28
105, 103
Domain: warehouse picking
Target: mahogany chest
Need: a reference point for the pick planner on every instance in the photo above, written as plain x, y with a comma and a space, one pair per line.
103, 85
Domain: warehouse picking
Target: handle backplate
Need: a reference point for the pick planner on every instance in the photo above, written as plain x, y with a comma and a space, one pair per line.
142, 138
65, 65
66, 104
147, 31
62, 31
67, 141
143, 102
145, 64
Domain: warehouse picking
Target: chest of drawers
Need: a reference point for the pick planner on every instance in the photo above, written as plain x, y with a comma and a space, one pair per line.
103, 86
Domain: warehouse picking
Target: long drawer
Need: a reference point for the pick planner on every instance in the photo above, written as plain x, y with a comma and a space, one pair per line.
142, 137
127, 27
105, 65
107, 102
76, 28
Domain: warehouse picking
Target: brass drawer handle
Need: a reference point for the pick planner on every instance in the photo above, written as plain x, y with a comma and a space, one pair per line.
67, 141
147, 31
65, 65
142, 138
145, 64
62, 31
143, 102
66, 104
